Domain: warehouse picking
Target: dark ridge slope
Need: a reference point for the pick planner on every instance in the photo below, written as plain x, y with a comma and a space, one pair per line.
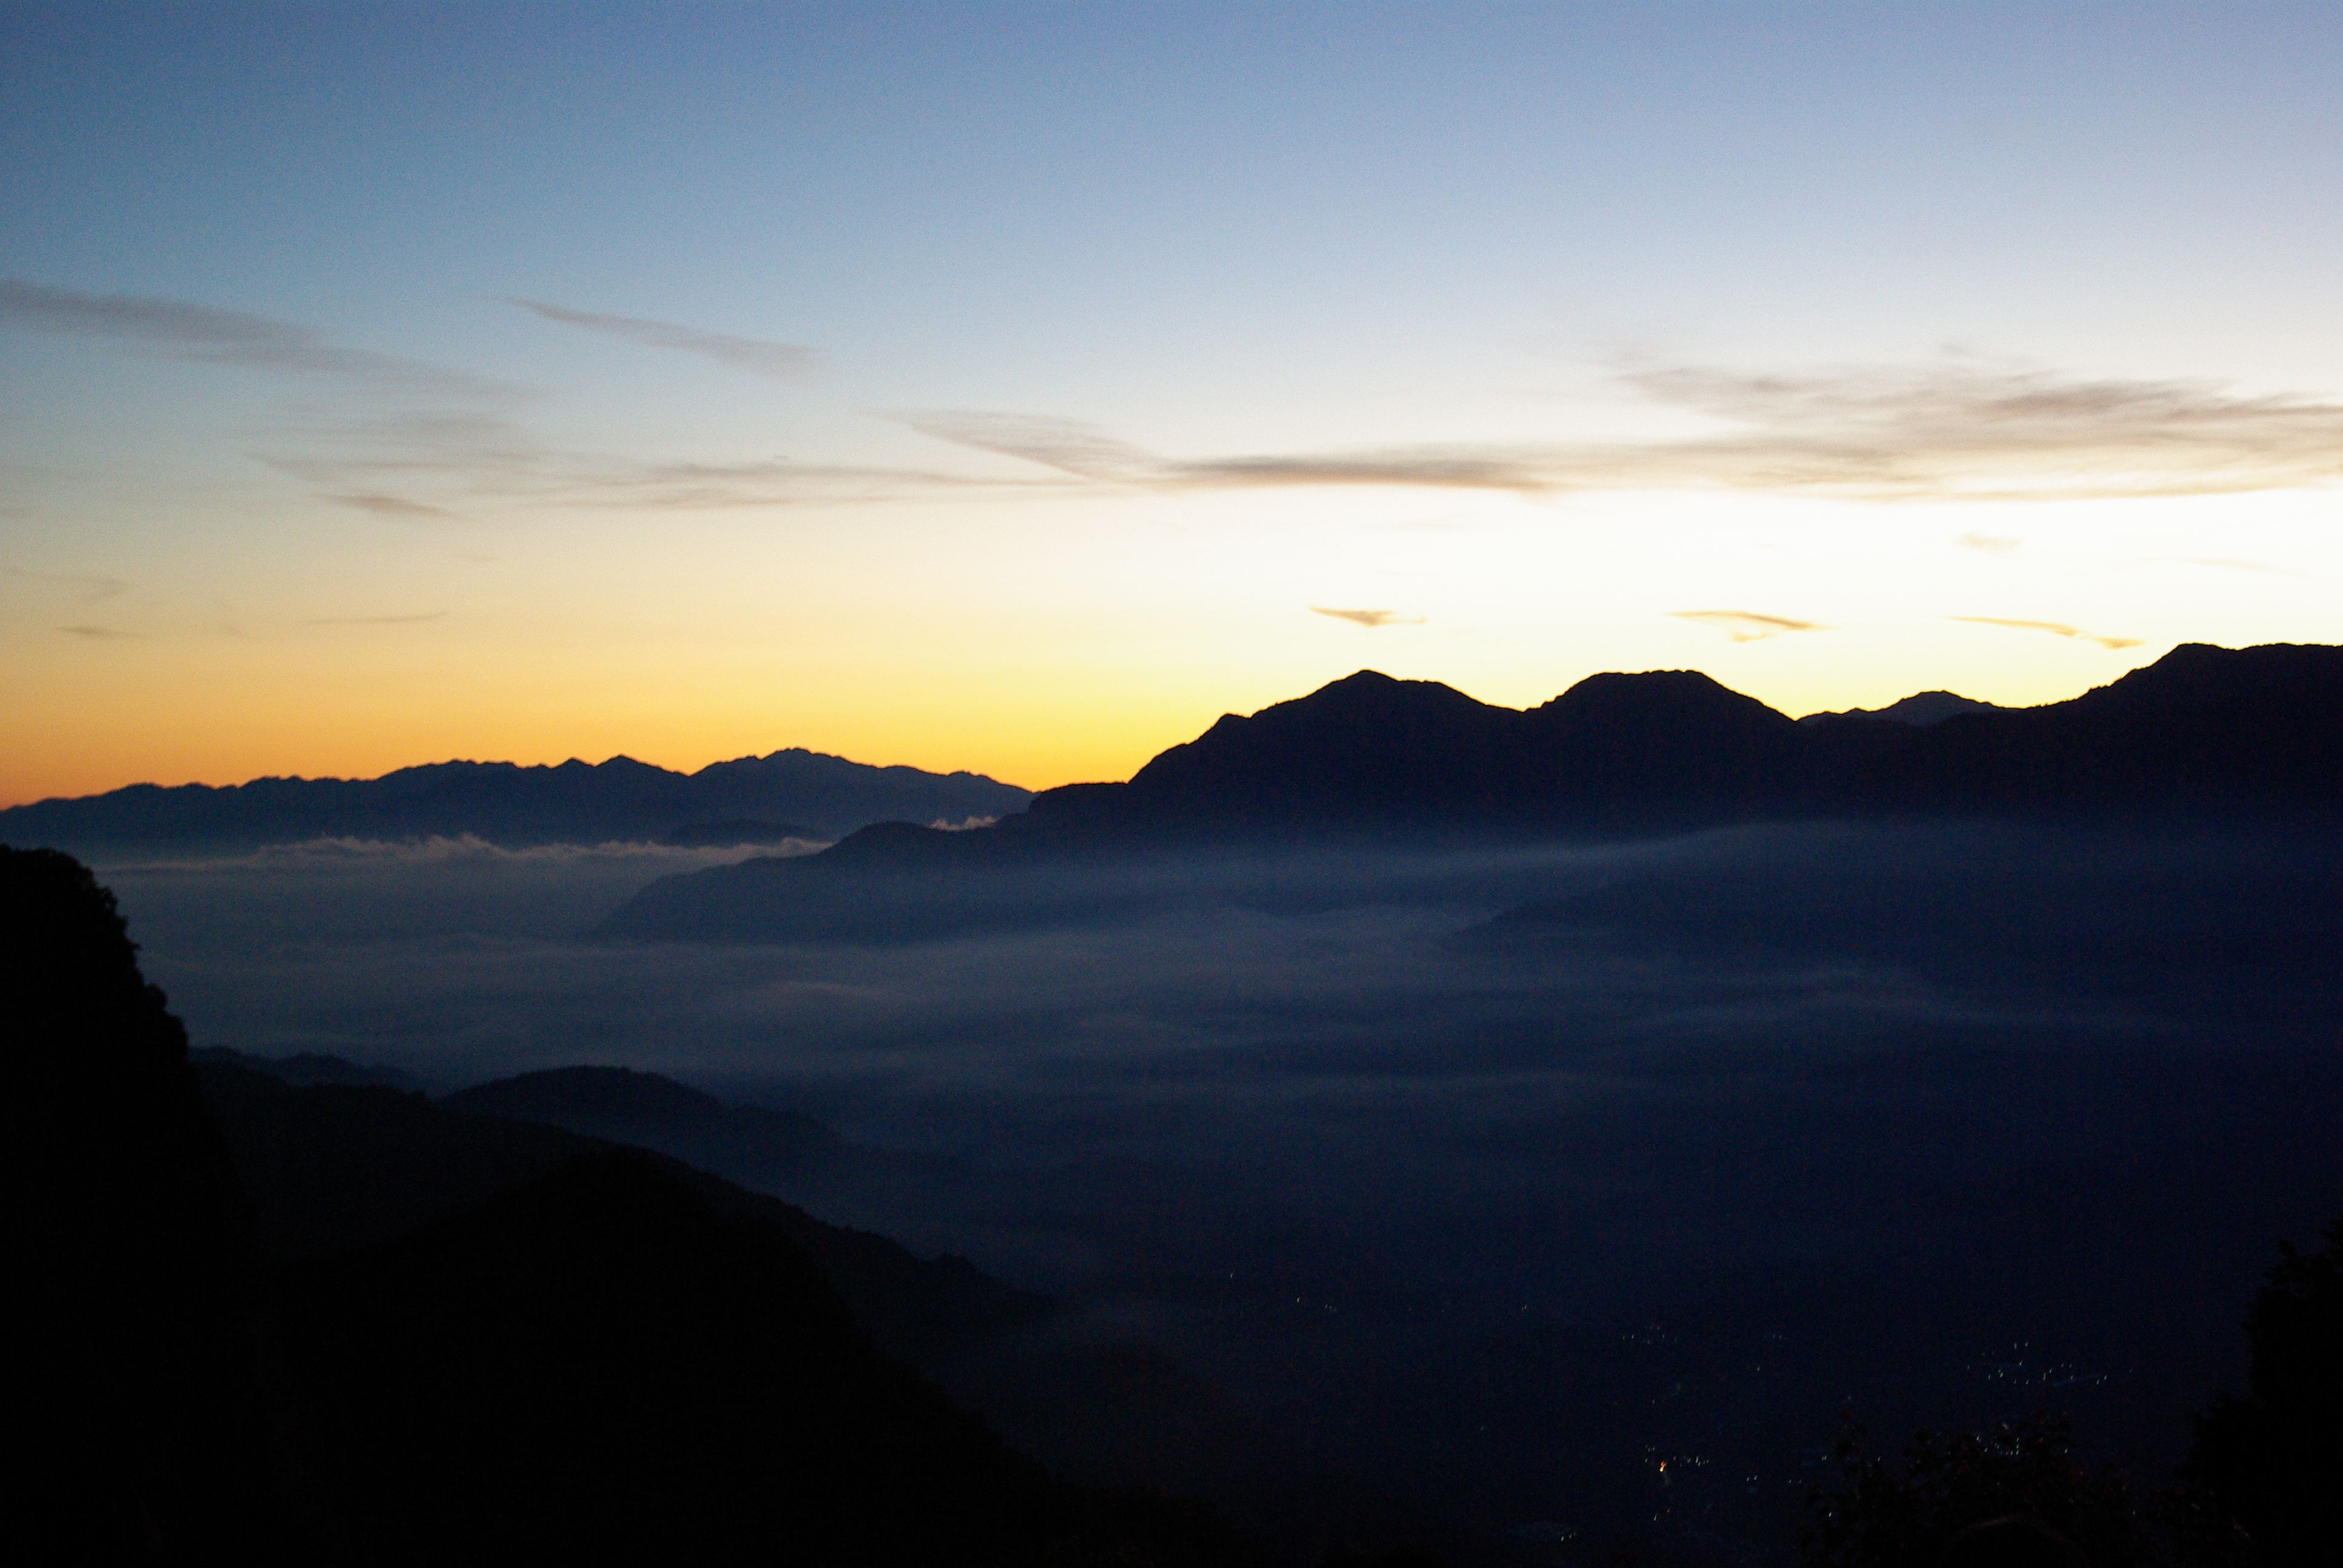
336, 1167
138, 1380
2203, 731
598, 1366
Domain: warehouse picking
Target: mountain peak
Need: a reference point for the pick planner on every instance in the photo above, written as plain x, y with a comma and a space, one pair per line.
1370, 694
1919, 710
2197, 675
1655, 696
566, 1094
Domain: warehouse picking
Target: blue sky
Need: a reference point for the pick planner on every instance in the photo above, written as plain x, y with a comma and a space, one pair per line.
1005, 386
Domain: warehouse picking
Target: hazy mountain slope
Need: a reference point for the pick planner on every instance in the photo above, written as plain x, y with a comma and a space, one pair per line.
599, 1366
1095, 1406
506, 804
333, 1166
2196, 918
630, 1107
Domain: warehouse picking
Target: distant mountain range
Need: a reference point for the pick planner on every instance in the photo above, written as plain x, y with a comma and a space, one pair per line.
1920, 709
2204, 733
751, 800
2203, 729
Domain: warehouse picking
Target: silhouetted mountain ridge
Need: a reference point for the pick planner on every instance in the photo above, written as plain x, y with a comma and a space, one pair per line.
630, 1107
2208, 728
1920, 709
2209, 733
785, 794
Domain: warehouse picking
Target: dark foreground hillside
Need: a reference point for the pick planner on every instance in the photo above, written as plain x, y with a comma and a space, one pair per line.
597, 1367
333, 1166
595, 1363
157, 1425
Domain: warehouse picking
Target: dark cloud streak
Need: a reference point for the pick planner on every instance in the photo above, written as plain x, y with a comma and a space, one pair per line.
1369, 617
1743, 626
778, 361
397, 507
203, 335
1954, 431
2056, 628
93, 589
1069, 446
468, 458
377, 619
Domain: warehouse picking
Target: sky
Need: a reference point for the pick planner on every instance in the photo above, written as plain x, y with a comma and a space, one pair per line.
1019, 388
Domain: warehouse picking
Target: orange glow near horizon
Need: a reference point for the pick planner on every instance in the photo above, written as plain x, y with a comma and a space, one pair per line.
1037, 731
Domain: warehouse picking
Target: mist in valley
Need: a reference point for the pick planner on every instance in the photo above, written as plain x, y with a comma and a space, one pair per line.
1550, 1197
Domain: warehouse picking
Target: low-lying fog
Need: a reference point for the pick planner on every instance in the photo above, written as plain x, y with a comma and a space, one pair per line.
1595, 1217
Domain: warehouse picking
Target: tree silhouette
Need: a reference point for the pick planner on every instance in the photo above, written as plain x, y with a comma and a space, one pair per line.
2015, 1494
138, 1375
2271, 1463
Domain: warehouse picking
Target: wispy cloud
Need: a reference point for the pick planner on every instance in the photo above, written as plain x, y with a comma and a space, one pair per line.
96, 633
1960, 430
398, 506
1069, 446
446, 464
1085, 451
1742, 626
375, 619
447, 445
1432, 468
780, 361
2223, 562
1992, 544
1965, 429
203, 335
91, 589
2056, 629
1368, 616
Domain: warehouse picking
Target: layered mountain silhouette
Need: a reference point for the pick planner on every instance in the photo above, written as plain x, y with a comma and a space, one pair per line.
334, 1164
261, 1323
2204, 734
2203, 729
750, 800
1920, 709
